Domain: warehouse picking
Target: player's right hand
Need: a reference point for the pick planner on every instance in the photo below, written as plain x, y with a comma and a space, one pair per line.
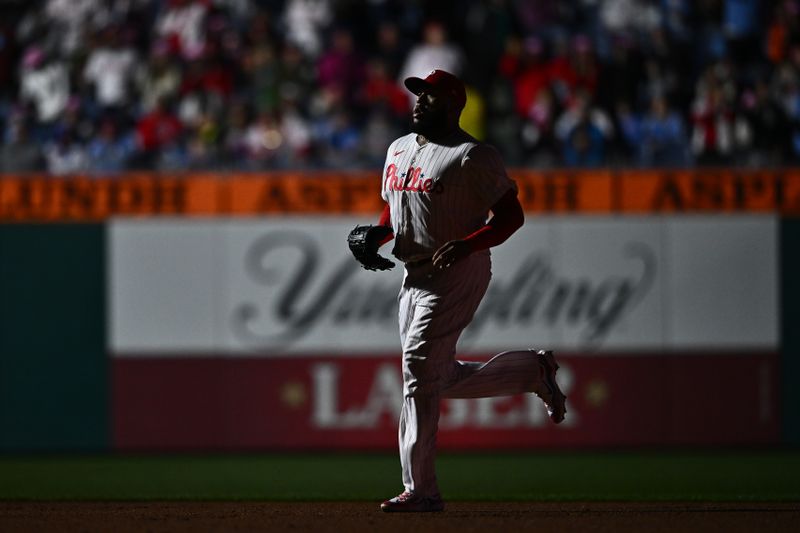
451, 252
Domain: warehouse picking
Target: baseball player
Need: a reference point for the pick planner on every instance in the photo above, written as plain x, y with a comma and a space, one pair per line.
440, 186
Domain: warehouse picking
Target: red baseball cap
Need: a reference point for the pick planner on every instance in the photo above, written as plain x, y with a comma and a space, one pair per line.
441, 82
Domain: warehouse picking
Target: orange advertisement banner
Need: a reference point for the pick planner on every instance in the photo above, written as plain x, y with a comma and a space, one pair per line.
565, 191
312, 193
42, 198
710, 191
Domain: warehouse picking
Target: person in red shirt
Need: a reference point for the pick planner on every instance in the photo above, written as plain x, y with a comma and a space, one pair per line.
158, 128
381, 89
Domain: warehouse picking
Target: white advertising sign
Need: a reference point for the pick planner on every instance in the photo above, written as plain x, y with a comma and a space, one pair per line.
288, 285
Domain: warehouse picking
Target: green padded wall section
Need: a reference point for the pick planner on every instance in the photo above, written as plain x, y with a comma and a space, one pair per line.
53, 366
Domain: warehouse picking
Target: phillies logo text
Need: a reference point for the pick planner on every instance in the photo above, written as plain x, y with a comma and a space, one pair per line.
411, 181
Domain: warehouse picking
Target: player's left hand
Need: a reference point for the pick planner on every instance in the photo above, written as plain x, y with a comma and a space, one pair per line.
451, 252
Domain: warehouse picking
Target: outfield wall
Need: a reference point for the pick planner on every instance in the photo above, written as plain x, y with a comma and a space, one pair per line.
284, 341
177, 328
54, 364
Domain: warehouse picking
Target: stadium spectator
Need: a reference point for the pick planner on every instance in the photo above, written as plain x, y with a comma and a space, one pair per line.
65, 155
713, 118
203, 143
173, 156
341, 65
261, 65
530, 72
182, 24
19, 152
489, 25
158, 130
110, 151
786, 85
503, 123
305, 21
623, 74
160, 79
538, 127
296, 76
583, 130
768, 127
584, 145
666, 71
206, 86
233, 145
628, 16
740, 22
533, 16
390, 48
339, 138
581, 110
110, 69
297, 132
783, 30
434, 52
379, 132
381, 91
67, 21
574, 68
661, 136
44, 82
263, 142
77, 120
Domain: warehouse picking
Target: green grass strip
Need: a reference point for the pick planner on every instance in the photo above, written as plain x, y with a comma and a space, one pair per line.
536, 476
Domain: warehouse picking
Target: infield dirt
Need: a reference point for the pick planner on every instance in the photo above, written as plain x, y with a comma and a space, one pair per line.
365, 516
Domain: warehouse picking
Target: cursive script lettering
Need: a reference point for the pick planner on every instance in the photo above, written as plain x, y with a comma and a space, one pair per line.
296, 309
306, 295
414, 181
536, 294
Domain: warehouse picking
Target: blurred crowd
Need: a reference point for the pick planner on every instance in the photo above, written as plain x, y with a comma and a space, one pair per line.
102, 86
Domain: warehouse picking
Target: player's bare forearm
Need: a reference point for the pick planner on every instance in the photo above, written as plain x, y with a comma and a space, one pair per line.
507, 217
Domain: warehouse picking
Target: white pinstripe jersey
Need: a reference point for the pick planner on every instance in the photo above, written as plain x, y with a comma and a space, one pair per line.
438, 192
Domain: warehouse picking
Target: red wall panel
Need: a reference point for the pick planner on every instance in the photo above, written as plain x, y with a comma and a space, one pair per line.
342, 403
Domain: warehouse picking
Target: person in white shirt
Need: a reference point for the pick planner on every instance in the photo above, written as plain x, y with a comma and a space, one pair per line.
45, 83
184, 21
111, 70
435, 52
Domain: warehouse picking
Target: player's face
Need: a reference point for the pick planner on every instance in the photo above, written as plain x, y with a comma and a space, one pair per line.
429, 114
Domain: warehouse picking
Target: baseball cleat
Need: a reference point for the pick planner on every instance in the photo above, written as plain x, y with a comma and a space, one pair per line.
549, 392
408, 502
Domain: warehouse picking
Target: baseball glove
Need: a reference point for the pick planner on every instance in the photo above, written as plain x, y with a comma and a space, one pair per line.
364, 242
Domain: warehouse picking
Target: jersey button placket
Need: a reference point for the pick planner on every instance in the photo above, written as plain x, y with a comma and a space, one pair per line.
409, 171
404, 193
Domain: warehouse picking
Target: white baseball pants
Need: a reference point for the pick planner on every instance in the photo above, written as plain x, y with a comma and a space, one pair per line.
435, 307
